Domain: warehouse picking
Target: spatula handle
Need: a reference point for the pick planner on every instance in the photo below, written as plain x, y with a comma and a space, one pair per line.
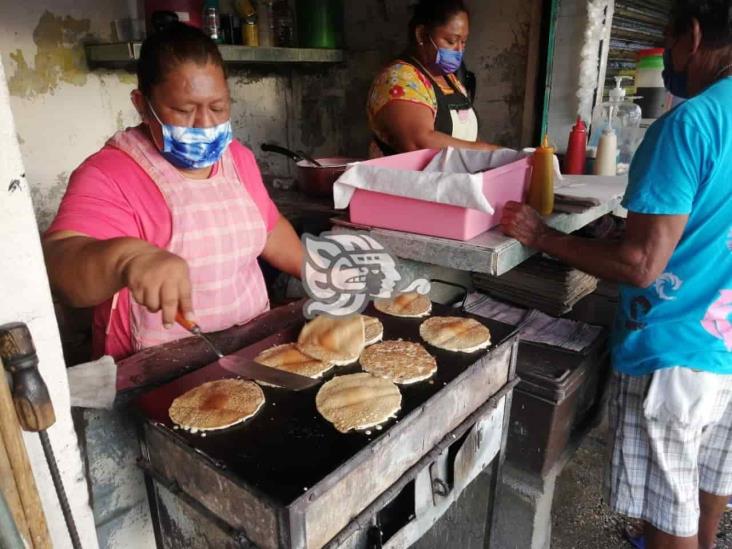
187, 324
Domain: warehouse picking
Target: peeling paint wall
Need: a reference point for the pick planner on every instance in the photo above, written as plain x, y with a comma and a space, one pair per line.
65, 112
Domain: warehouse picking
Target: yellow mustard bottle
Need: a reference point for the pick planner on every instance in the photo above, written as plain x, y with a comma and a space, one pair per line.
541, 189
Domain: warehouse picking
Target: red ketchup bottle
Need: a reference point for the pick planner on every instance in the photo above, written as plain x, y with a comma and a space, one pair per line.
574, 161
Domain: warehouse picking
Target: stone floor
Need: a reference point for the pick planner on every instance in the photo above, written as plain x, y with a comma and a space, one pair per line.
580, 520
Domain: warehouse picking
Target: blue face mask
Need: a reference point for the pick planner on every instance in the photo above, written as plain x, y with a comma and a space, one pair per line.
192, 148
674, 81
447, 60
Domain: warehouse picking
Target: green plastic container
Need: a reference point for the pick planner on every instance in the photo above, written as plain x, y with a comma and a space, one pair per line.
320, 23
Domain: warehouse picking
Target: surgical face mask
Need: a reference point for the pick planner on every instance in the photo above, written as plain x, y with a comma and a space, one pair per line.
675, 82
192, 148
447, 60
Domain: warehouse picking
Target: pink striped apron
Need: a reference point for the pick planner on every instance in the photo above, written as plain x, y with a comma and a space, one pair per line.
218, 229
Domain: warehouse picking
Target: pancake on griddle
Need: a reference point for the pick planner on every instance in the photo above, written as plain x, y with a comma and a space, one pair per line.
402, 362
358, 401
453, 333
289, 358
338, 341
373, 329
216, 405
409, 305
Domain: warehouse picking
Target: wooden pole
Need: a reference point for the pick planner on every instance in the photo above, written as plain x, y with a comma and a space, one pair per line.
10, 491
19, 463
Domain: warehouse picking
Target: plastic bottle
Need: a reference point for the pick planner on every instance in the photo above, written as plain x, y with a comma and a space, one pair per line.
607, 153
249, 27
250, 32
541, 189
211, 24
649, 83
265, 22
621, 114
574, 161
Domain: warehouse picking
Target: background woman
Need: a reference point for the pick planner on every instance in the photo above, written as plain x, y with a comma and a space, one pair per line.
417, 102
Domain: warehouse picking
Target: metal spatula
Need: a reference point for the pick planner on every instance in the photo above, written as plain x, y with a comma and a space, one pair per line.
246, 367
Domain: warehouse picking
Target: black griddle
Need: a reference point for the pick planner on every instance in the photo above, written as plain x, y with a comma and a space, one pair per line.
288, 447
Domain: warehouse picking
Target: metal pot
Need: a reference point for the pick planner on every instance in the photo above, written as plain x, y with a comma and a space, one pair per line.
315, 176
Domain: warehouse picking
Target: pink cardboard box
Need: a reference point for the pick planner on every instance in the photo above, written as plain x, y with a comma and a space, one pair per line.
500, 185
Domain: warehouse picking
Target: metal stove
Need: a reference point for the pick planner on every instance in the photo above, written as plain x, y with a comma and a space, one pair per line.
287, 478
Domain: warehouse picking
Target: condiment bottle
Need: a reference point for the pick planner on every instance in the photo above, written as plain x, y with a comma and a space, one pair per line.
623, 116
541, 189
249, 28
250, 32
574, 161
606, 162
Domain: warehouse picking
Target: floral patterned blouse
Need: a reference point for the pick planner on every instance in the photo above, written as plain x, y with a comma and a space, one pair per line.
402, 81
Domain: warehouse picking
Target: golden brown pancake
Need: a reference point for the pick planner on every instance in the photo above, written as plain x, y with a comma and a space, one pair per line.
454, 333
411, 305
358, 401
216, 405
402, 362
289, 358
373, 329
338, 341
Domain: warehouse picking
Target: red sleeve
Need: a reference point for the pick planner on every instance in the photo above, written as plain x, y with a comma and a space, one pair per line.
246, 165
94, 205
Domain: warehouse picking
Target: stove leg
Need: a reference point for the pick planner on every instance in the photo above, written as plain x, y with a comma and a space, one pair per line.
491, 538
523, 514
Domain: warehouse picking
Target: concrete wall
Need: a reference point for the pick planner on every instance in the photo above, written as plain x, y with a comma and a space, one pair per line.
563, 101
64, 112
26, 297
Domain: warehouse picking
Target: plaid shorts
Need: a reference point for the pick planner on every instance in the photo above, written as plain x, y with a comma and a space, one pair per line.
657, 467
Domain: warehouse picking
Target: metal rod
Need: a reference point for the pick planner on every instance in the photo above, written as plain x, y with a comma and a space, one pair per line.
60, 491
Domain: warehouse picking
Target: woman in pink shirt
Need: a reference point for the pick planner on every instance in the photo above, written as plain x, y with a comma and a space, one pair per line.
170, 215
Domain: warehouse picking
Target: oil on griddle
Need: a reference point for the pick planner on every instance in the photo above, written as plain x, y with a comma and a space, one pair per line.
288, 447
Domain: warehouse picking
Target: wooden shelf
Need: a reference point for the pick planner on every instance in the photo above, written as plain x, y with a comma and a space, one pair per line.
125, 54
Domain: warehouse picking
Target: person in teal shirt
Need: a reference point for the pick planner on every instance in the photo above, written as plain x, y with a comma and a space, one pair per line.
671, 402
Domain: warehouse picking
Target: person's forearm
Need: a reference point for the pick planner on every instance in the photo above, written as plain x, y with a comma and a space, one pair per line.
86, 271
284, 250
438, 140
616, 261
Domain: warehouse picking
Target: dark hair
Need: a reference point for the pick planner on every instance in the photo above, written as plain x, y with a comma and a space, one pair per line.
714, 16
165, 49
433, 13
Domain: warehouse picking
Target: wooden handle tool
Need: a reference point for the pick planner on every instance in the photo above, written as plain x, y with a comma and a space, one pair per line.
33, 408
30, 394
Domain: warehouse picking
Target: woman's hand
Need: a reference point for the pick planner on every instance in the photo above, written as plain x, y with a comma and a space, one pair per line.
159, 281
